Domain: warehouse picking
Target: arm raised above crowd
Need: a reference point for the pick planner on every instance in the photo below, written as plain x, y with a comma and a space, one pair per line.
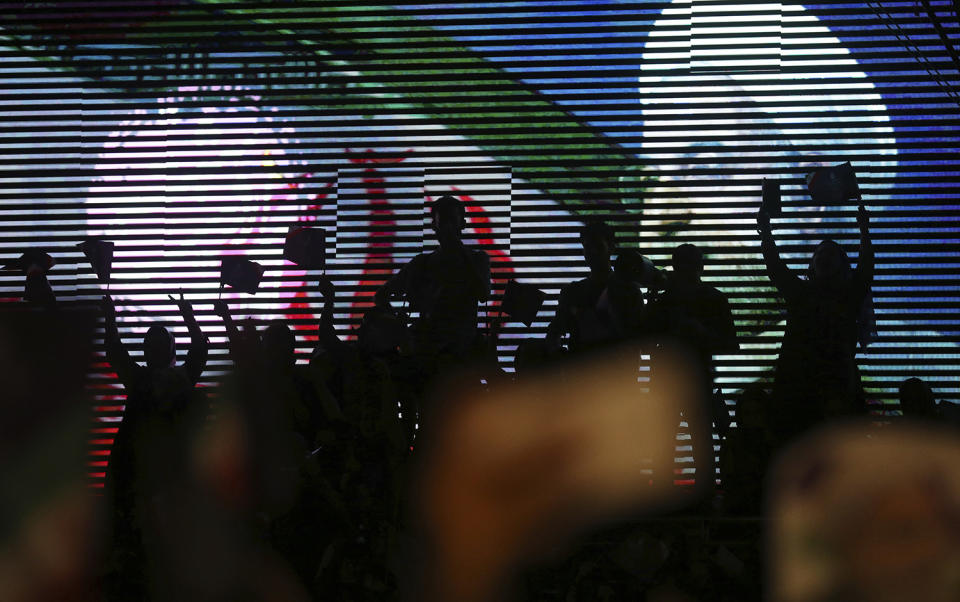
117, 354
780, 275
197, 352
865, 264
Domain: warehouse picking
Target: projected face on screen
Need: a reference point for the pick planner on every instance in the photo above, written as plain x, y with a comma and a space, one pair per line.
712, 135
257, 210
233, 175
717, 138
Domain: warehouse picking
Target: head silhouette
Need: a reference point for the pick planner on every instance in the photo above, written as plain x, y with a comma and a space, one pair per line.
688, 262
752, 406
159, 347
279, 345
916, 399
829, 264
449, 218
629, 265
599, 242
381, 332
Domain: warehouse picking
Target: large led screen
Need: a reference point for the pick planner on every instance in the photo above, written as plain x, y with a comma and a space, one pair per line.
187, 131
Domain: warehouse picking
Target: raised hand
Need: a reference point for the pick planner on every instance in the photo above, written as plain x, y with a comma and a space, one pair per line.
326, 288
763, 221
220, 308
250, 333
185, 308
109, 309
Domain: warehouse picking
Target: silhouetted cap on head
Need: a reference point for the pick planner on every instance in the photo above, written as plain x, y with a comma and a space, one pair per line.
687, 260
833, 185
306, 247
100, 255
31, 260
522, 301
241, 274
159, 347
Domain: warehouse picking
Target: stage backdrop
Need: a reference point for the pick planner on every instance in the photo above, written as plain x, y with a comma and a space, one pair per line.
188, 130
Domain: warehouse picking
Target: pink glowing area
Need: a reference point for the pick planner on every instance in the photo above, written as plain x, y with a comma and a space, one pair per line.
230, 186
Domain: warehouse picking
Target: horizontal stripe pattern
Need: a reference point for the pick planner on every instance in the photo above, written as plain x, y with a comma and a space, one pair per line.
186, 130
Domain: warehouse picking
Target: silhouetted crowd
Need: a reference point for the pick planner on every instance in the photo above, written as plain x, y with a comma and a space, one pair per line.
313, 461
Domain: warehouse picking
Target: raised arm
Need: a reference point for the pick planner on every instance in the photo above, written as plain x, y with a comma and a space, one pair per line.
780, 275
234, 339
197, 352
864, 272
117, 354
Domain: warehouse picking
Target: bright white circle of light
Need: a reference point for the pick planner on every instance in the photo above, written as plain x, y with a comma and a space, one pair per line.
677, 86
255, 139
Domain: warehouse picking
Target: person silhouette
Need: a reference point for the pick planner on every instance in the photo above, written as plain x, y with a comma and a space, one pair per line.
300, 404
34, 264
590, 310
150, 454
445, 286
37, 289
159, 384
816, 375
691, 317
632, 273
693, 313
746, 452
